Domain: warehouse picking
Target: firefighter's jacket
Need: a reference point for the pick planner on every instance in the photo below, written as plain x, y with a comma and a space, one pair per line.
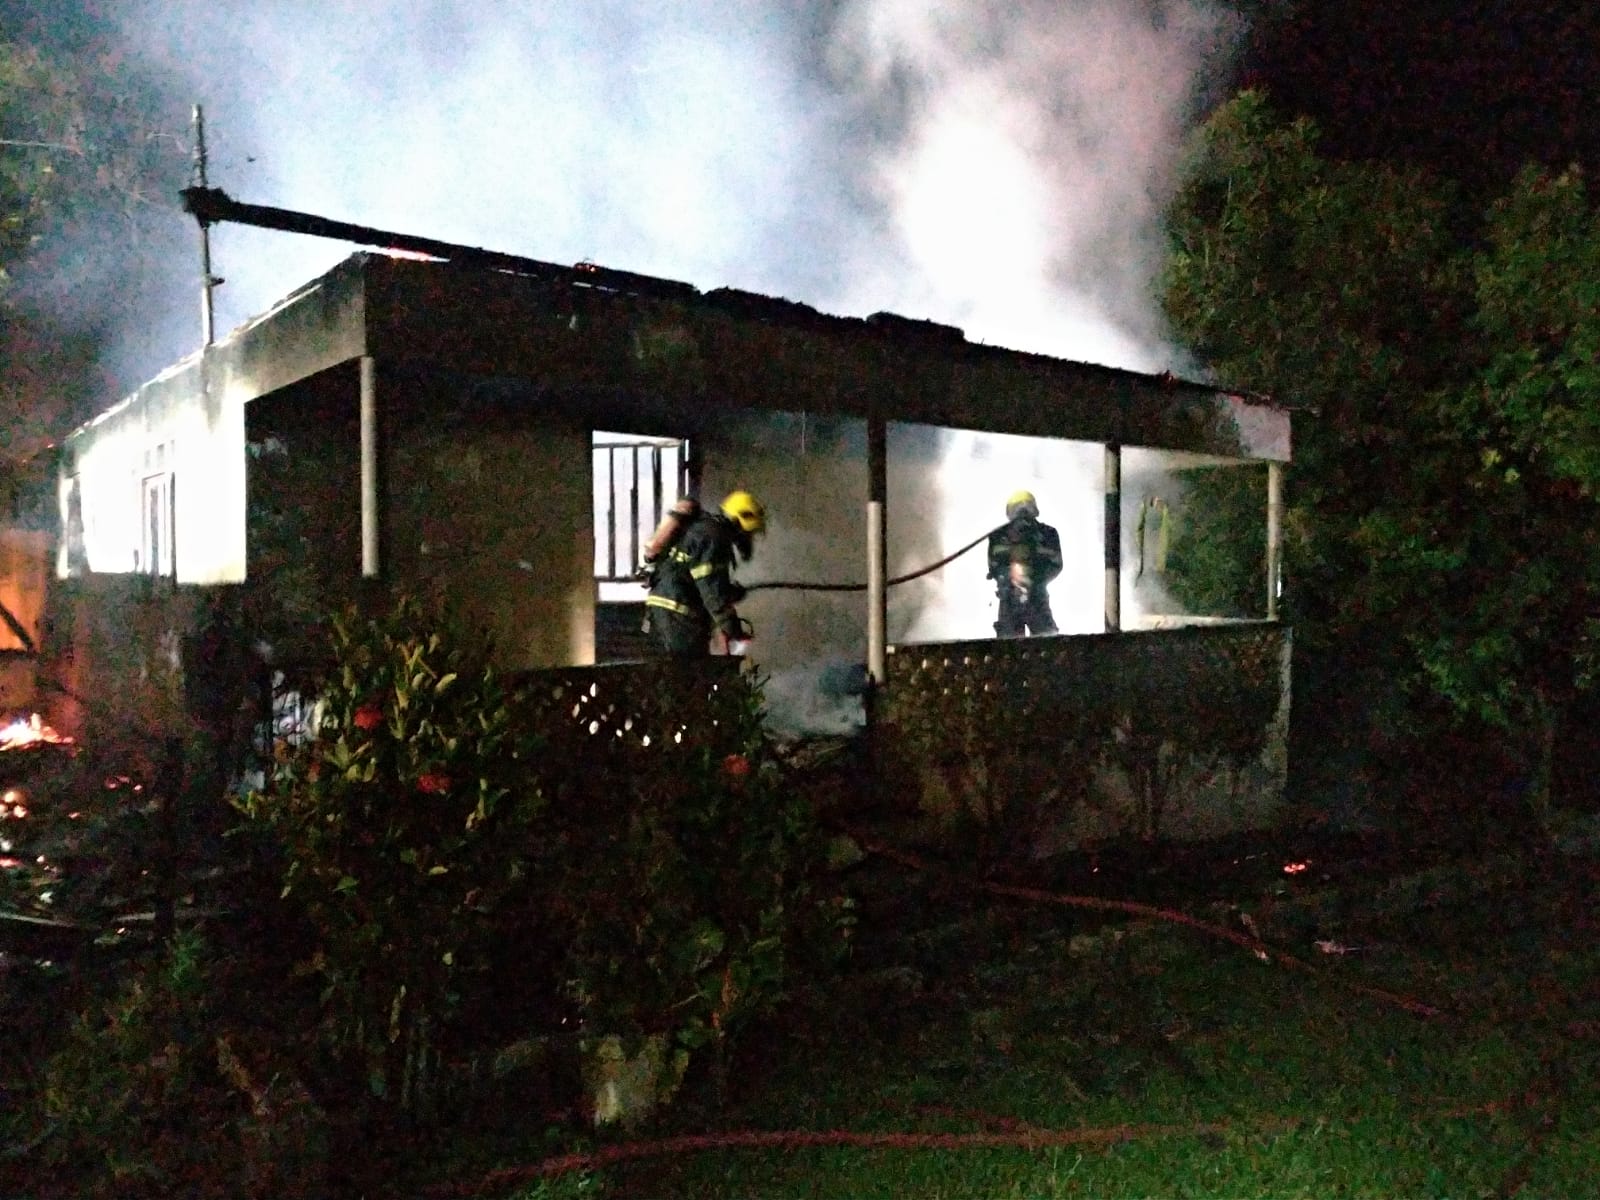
693, 576
1030, 544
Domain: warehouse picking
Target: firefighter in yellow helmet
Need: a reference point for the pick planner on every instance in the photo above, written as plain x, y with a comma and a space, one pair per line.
1024, 557
690, 560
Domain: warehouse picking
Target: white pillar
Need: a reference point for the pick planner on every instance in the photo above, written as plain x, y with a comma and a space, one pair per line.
1274, 536
1113, 523
877, 551
369, 468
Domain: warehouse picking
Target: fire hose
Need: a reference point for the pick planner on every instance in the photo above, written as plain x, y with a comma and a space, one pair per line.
807, 586
1031, 1138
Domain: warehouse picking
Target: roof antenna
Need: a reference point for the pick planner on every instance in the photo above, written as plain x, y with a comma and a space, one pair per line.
208, 281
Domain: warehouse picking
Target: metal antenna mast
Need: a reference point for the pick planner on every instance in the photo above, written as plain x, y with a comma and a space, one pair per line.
207, 280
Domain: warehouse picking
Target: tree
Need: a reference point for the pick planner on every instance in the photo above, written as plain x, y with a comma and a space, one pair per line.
1331, 287
1519, 640
1217, 556
86, 163
1442, 495
31, 107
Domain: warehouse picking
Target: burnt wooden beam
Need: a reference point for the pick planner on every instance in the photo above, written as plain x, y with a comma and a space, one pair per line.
17, 629
213, 206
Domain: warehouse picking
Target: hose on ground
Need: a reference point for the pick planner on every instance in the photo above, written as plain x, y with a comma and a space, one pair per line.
1256, 945
503, 1179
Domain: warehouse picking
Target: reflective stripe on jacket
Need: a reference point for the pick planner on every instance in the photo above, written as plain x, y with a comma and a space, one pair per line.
694, 578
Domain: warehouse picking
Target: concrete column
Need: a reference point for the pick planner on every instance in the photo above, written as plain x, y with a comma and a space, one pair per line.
1113, 490
877, 550
369, 468
1274, 536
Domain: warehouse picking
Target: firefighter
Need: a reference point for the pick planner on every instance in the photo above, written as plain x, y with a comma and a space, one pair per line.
690, 562
1024, 556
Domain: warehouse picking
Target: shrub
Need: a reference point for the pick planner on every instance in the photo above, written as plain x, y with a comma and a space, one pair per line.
468, 864
691, 890
405, 813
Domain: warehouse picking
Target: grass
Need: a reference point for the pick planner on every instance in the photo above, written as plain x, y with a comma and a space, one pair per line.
968, 1014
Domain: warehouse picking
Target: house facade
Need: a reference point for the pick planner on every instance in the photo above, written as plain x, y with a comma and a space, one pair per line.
503, 439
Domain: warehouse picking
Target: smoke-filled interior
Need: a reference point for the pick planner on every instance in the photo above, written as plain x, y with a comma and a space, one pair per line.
946, 489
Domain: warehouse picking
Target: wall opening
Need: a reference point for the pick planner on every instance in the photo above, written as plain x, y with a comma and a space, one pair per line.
636, 479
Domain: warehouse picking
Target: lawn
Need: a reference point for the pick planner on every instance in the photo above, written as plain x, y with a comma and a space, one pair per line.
1041, 1051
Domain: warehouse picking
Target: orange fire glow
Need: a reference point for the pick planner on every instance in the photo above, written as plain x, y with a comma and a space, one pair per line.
410, 255
30, 731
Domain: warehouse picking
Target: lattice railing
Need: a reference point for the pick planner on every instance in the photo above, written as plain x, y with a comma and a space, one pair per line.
633, 708
1209, 689
596, 715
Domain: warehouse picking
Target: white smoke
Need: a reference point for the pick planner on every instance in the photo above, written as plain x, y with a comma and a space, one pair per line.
996, 166
667, 139
1036, 156
974, 474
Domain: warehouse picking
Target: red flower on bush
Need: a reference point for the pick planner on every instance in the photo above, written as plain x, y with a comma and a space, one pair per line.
368, 716
736, 766
434, 783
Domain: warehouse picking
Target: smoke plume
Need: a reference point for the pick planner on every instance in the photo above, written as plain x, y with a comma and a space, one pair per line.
1029, 160
998, 166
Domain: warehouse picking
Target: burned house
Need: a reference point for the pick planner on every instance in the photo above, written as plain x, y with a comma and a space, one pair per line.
505, 438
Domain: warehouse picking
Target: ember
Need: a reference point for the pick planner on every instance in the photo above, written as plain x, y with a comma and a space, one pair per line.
1331, 947
29, 732
411, 255
1294, 868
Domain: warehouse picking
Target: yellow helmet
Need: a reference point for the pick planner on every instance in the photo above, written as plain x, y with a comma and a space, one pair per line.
1019, 501
745, 511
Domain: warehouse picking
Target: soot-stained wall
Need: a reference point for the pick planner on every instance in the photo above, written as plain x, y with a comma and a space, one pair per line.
489, 505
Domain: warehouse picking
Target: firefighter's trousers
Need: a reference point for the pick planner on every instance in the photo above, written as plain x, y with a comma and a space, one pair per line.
1029, 616
678, 635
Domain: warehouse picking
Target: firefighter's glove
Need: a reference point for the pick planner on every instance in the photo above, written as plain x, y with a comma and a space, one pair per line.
737, 634
1020, 582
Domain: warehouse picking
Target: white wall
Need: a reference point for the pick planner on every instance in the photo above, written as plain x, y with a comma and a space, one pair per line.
166, 428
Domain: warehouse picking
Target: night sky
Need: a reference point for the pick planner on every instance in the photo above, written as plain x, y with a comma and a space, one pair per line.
1472, 89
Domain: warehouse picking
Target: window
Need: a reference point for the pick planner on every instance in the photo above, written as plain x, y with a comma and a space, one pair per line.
635, 481
156, 519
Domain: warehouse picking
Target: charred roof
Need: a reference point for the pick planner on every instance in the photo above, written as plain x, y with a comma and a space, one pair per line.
625, 350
